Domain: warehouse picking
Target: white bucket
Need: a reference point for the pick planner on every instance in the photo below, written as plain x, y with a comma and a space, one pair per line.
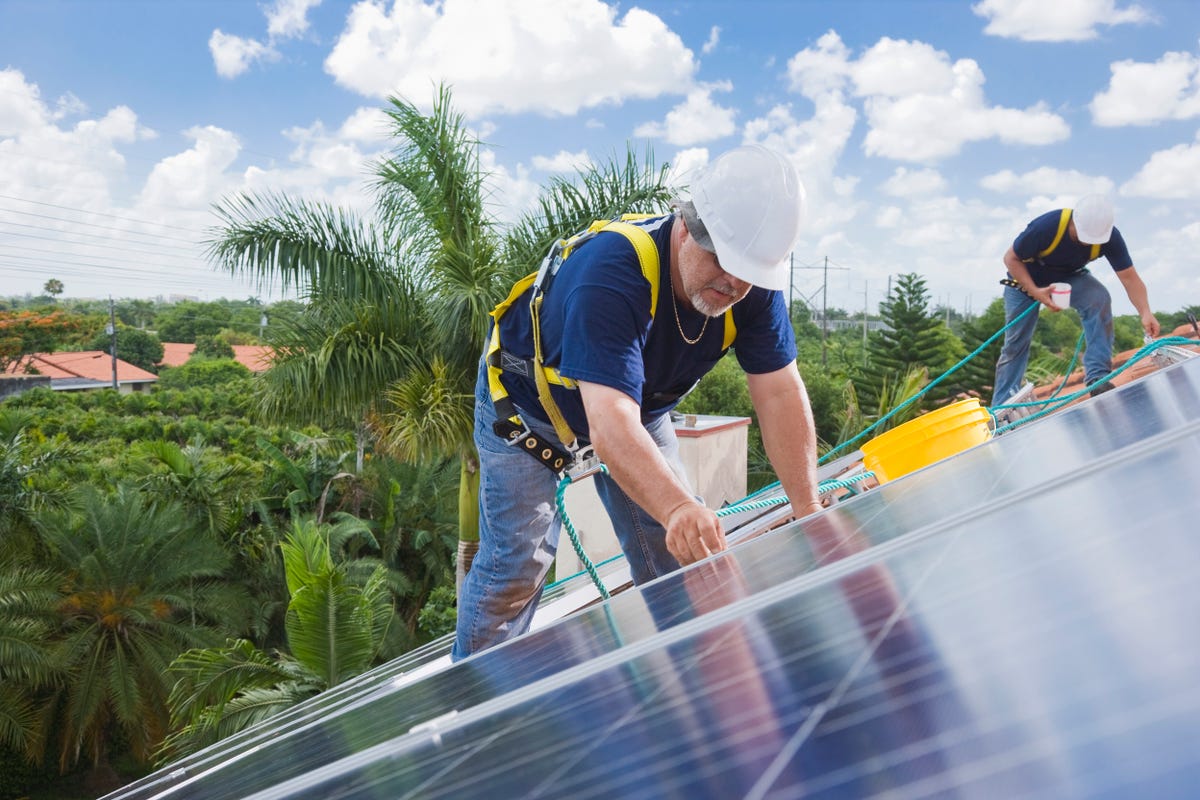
1060, 294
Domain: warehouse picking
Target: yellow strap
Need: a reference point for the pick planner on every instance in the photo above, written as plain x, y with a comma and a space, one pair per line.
565, 434
1063, 221
730, 330
647, 254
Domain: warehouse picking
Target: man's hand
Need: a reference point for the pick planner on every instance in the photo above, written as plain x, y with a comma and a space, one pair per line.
1150, 324
1042, 295
693, 532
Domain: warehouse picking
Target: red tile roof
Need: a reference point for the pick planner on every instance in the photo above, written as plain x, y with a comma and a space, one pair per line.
90, 364
254, 357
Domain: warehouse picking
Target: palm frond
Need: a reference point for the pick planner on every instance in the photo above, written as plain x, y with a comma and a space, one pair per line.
425, 414
599, 191
318, 249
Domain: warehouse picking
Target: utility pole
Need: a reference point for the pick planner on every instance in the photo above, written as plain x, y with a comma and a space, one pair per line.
825, 305
864, 323
112, 331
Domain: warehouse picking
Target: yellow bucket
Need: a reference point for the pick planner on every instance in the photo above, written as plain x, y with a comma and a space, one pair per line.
927, 439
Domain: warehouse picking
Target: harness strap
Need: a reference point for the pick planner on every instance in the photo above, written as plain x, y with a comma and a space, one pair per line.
510, 426
1064, 220
1014, 284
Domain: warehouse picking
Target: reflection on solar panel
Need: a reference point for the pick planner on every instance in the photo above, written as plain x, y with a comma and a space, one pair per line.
1017, 621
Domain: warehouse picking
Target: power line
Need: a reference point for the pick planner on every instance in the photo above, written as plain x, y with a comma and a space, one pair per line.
94, 213
101, 227
59, 240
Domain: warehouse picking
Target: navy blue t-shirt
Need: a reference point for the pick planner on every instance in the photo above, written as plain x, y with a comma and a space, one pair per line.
1069, 256
596, 327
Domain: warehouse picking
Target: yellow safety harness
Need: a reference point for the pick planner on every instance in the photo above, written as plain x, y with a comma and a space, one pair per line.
1063, 221
509, 425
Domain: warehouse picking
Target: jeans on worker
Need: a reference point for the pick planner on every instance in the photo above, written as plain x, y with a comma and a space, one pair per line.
519, 530
1094, 304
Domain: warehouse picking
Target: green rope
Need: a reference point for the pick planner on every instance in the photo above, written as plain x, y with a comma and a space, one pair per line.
1068, 399
591, 570
588, 566
1070, 369
830, 485
928, 387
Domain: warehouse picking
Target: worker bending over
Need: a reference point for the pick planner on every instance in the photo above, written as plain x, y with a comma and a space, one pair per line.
1056, 248
597, 349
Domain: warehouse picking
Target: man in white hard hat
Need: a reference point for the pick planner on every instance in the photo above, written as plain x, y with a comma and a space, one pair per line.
636, 314
1056, 247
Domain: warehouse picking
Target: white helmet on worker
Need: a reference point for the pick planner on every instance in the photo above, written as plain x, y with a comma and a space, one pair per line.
1093, 216
750, 203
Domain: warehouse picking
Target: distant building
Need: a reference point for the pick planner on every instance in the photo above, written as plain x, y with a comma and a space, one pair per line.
81, 371
254, 357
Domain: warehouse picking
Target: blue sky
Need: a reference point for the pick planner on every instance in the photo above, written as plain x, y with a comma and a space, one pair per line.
927, 133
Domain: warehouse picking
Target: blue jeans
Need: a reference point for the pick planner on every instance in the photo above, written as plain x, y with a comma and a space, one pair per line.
1090, 299
519, 529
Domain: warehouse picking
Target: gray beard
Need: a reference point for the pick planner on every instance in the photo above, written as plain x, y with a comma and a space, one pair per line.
706, 308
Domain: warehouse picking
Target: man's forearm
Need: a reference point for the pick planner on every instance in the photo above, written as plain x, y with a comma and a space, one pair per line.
789, 434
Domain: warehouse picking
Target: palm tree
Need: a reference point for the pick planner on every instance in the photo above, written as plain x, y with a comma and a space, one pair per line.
336, 626
28, 596
398, 306
20, 465
140, 585
207, 484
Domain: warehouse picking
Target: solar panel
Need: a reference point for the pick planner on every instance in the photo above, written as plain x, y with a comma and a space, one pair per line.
1017, 621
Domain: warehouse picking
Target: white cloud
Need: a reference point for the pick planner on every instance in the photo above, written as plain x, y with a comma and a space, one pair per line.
694, 121
1169, 174
287, 19
196, 176
233, 55
920, 106
714, 38
684, 164
931, 112
1055, 21
1046, 181
914, 183
817, 70
1166, 259
562, 161
74, 166
21, 106
546, 56
1140, 93
368, 125
894, 68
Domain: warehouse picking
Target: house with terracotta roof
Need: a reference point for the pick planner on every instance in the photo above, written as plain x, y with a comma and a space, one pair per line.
81, 371
254, 357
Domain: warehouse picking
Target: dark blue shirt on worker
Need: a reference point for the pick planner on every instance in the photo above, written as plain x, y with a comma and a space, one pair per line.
597, 327
1069, 256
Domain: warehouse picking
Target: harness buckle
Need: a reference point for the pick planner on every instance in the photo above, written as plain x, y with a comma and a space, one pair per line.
552, 456
586, 463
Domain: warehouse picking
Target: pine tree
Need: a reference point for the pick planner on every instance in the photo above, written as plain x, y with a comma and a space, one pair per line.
913, 337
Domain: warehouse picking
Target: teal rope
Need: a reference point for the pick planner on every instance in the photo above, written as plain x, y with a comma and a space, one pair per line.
591, 570
1070, 369
826, 486
932, 384
588, 566
1068, 399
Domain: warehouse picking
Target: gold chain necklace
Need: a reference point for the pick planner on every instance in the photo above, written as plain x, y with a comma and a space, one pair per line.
679, 325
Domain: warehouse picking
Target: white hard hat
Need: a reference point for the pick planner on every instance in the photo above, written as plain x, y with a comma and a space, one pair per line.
1093, 217
751, 203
